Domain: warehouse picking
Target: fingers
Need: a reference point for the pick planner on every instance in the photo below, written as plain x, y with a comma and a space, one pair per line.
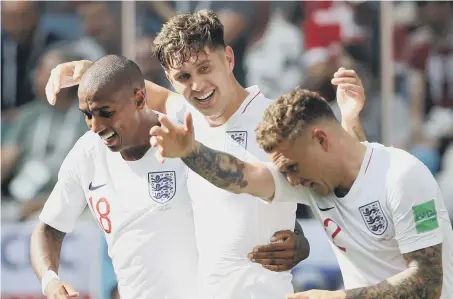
344, 80
297, 296
345, 76
280, 246
79, 69
271, 255
158, 131
164, 121
277, 268
71, 292
54, 84
352, 87
188, 122
282, 236
342, 72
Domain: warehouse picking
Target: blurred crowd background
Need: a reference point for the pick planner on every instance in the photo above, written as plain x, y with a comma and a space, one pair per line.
278, 45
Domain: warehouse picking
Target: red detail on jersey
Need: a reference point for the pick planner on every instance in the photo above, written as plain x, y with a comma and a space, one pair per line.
102, 215
371, 156
335, 233
245, 108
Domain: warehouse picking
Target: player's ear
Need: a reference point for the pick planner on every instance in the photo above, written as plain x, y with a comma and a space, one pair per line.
320, 137
229, 54
140, 98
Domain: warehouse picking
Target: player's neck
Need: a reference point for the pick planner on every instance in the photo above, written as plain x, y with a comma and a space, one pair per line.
352, 153
142, 143
238, 96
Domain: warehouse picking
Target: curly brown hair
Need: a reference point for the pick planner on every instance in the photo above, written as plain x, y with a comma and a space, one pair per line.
185, 35
287, 117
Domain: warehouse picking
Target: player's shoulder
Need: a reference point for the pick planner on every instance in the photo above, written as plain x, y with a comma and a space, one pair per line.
85, 148
176, 107
256, 103
402, 169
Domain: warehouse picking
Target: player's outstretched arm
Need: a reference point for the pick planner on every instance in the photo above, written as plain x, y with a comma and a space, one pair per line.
45, 248
230, 173
221, 169
69, 74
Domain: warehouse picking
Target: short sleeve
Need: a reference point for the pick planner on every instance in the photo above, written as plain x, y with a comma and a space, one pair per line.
67, 200
414, 201
176, 107
284, 191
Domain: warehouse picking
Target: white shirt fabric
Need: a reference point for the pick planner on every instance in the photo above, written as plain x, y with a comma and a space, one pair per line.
228, 226
394, 207
145, 212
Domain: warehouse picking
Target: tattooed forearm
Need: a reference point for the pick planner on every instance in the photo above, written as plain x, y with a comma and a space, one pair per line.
55, 234
359, 133
221, 169
354, 129
423, 279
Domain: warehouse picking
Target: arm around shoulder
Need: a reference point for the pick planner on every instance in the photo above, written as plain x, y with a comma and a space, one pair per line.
158, 96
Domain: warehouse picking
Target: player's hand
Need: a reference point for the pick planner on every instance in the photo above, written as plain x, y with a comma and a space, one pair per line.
284, 252
350, 93
57, 289
317, 294
173, 141
65, 75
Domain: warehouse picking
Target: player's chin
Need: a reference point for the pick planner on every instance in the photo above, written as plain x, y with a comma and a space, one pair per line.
115, 147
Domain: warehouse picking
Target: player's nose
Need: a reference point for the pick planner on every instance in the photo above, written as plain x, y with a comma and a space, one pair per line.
292, 179
197, 85
96, 125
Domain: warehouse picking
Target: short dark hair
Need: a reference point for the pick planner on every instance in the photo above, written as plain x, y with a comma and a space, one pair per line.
185, 35
112, 73
286, 118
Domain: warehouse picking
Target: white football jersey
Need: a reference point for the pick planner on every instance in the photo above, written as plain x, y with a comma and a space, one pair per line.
228, 225
144, 209
394, 207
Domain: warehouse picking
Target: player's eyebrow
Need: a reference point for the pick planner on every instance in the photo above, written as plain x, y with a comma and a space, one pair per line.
99, 108
197, 64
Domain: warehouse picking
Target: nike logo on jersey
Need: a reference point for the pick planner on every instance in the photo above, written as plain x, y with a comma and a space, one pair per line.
326, 209
92, 188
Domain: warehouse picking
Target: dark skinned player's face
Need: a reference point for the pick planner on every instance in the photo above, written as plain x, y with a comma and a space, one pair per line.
115, 117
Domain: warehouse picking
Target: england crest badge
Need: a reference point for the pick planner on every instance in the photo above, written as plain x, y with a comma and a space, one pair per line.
374, 218
236, 143
162, 185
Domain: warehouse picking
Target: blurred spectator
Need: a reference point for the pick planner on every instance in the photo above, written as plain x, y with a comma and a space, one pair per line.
40, 139
281, 45
445, 178
431, 81
328, 28
23, 42
102, 21
149, 65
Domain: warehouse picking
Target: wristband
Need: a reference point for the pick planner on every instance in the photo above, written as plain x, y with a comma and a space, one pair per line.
48, 277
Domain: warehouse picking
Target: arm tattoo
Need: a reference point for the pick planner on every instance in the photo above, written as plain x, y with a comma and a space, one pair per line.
358, 134
426, 282
55, 234
221, 169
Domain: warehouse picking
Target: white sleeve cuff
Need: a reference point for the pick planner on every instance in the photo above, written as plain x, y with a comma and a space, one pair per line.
428, 240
